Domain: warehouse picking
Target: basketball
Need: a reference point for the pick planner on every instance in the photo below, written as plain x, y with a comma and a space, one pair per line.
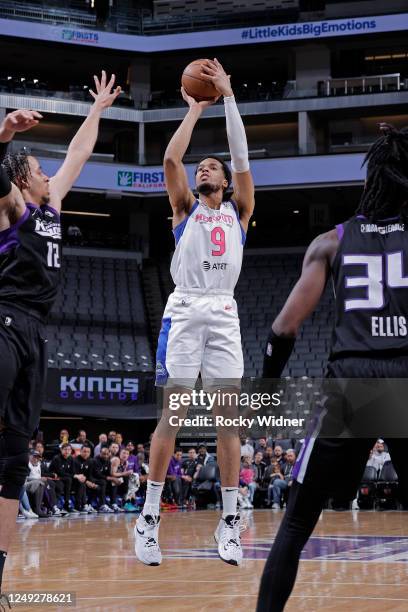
194, 84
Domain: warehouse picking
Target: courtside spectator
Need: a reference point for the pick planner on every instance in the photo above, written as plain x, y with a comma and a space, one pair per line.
279, 486
114, 449
247, 477
204, 457
378, 456
247, 447
278, 454
41, 488
82, 479
188, 469
100, 475
81, 439
120, 473
132, 459
103, 441
111, 436
62, 465
119, 440
174, 477
260, 445
268, 455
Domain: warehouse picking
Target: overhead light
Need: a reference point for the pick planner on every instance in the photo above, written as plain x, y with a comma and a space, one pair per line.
22, 79
84, 213
295, 212
9, 78
253, 224
385, 56
35, 81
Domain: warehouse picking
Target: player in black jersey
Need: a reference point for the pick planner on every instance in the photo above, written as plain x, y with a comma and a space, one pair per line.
30, 261
367, 258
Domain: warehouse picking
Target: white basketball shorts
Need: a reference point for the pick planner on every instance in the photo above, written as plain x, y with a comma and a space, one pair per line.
199, 334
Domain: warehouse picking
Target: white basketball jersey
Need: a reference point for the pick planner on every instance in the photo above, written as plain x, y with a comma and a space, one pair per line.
209, 249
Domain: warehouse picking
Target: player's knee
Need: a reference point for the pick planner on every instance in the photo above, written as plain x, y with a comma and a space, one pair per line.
13, 464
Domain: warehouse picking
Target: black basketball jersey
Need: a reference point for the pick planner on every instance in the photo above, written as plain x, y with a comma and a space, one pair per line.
370, 279
30, 260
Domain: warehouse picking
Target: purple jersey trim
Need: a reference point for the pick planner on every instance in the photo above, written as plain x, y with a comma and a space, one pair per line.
340, 231
9, 237
54, 210
179, 229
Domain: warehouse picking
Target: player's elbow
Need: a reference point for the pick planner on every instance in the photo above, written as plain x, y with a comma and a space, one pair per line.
170, 161
285, 328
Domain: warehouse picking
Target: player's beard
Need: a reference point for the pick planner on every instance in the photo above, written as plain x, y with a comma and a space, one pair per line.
45, 200
208, 188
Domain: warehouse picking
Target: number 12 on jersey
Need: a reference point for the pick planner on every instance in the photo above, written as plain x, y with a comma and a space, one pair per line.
53, 255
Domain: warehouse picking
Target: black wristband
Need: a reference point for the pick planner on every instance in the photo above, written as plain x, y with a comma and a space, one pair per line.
5, 183
277, 352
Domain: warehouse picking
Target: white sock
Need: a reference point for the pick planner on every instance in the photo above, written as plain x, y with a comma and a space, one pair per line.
229, 500
153, 495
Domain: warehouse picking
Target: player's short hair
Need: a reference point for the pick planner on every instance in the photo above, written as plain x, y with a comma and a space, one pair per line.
65, 445
386, 188
17, 167
225, 167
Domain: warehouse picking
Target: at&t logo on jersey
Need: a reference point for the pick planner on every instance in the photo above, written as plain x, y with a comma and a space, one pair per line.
153, 181
215, 266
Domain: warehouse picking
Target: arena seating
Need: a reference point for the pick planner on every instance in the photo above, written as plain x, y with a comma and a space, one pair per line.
262, 289
98, 319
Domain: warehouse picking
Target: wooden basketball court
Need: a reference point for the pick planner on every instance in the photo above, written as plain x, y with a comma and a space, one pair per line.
355, 561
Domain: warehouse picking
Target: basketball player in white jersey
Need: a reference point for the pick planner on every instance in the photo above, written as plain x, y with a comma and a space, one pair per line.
200, 329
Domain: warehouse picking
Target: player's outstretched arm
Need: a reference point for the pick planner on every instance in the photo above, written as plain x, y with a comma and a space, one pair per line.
18, 121
300, 304
180, 195
242, 182
83, 143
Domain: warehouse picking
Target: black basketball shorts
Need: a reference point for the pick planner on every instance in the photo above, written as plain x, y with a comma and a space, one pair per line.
23, 369
334, 461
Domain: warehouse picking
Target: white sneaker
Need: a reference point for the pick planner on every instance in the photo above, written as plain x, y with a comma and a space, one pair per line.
29, 514
227, 536
105, 509
276, 507
56, 511
147, 547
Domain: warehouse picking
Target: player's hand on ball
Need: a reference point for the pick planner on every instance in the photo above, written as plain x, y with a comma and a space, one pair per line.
104, 96
193, 103
215, 73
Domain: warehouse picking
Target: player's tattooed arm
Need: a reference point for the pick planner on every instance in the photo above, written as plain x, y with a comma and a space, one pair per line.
307, 292
83, 143
180, 195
